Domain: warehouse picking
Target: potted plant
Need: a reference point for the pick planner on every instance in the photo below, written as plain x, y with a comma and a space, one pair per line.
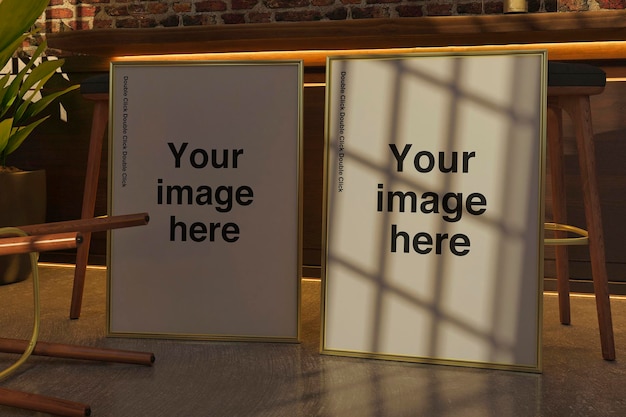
22, 193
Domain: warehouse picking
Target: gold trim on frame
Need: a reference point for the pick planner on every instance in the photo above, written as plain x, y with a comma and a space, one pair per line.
165, 62
542, 126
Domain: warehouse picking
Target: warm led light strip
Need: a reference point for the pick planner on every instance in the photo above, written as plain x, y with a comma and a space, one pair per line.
584, 295
556, 51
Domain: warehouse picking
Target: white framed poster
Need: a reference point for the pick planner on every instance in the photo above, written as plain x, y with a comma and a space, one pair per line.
211, 150
434, 208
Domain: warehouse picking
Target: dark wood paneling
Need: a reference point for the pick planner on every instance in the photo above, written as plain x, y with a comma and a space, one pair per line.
313, 155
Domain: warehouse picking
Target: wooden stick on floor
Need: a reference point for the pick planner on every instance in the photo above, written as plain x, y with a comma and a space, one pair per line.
43, 404
59, 350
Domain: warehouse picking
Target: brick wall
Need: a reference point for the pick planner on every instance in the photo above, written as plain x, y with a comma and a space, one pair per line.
95, 14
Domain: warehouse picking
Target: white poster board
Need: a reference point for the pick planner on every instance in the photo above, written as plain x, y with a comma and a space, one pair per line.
434, 209
211, 150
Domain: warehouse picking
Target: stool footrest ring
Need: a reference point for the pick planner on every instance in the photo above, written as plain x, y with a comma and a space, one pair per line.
582, 239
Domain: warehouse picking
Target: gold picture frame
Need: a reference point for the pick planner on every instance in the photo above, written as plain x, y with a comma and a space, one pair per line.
433, 212
212, 151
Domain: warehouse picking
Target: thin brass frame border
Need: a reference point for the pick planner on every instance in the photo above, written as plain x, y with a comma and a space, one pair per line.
155, 61
542, 143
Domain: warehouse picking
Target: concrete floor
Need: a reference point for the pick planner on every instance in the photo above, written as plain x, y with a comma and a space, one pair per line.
233, 379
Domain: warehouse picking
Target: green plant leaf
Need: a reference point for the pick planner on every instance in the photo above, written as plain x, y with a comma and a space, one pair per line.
40, 105
3, 82
10, 95
5, 132
9, 50
13, 90
17, 17
22, 76
26, 79
40, 72
19, 135
40, 75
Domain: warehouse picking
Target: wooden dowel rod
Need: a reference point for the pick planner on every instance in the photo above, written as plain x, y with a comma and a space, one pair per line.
40, 243
43, 404
97, 224
59, 350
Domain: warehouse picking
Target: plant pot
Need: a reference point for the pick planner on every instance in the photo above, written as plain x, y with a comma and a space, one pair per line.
22, 202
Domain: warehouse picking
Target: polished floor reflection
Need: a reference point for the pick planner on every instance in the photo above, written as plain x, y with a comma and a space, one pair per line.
229, 379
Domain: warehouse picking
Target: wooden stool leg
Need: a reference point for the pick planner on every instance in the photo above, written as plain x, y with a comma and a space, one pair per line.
559, 206
579, 109
99, 124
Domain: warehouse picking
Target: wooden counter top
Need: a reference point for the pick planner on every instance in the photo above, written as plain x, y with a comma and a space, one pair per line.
580, 27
